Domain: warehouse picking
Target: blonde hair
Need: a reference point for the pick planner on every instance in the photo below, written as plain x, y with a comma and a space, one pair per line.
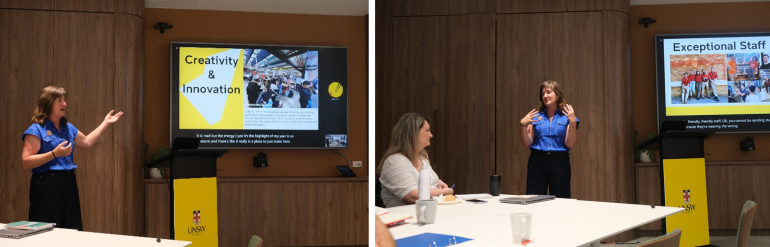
405, 137
561, 102
45, 102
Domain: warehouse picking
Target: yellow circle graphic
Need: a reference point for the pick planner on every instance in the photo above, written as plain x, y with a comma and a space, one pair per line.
335, 89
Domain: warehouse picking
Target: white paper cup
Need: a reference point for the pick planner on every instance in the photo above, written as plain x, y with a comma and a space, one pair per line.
521, 227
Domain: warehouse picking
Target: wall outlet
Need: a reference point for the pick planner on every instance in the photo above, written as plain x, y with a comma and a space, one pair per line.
356, 163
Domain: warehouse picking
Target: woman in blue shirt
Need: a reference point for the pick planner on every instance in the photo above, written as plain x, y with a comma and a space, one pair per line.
549, 133
48, 151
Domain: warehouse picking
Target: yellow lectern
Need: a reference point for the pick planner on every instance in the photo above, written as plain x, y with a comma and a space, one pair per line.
683, 183
193, 194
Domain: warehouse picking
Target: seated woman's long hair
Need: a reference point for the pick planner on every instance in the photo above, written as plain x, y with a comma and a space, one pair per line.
404, 138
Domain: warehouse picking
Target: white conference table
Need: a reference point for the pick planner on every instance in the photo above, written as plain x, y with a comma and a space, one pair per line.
68, 237
559, 222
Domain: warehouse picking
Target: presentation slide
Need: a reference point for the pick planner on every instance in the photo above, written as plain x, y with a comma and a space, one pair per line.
242, 96
716, 82
219, 91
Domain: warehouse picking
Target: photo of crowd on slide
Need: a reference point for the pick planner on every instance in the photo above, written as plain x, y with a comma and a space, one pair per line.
336, 141
698, 79
280, 78
751, 81
748, 91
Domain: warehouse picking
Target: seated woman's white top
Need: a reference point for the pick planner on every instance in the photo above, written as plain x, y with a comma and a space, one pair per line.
753, 98
399, 177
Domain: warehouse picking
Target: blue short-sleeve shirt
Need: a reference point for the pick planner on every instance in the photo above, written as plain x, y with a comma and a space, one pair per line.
549, 135
49, 142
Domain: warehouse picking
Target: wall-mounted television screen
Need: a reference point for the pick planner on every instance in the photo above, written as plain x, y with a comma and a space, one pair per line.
716, 82
236, 96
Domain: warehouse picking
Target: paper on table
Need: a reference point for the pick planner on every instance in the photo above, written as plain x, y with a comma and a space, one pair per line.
392, 218
473, 196
380, 211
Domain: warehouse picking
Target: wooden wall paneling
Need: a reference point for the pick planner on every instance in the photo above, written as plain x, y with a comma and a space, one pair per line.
565, 47
724, 204
442, 7
86, 5
731, 232
293, 222
467, 120
133, 7
370, 160
530, 6
416, 85
128, 143
333, 212
618, 106
26, 48
328, 194
648, 191
383, 79
85, 68
617, 5
360, 211
618, 116
575, 61
730, 186
27, 4
440, 64
156, 209
248, 209
515, 96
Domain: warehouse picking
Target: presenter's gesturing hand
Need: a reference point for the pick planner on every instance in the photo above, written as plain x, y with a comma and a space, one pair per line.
571, 136
89, 140
110, 119
61, 150
530, 118
570, 113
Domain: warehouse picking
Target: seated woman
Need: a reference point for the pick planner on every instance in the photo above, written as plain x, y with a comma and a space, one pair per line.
405, 157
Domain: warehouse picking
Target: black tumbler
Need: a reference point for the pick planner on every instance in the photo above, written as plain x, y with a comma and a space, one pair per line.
494, 185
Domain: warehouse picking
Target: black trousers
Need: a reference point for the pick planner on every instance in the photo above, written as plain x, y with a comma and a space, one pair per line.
54, 198
549, 169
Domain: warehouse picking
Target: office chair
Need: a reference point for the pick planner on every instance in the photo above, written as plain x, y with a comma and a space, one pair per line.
256, 241
669, 240
744, 224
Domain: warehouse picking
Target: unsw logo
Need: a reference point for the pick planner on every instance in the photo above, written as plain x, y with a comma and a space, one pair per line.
689, 208
198, 229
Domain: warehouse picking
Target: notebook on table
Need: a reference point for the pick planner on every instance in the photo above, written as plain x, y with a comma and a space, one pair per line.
22, 229
526, 199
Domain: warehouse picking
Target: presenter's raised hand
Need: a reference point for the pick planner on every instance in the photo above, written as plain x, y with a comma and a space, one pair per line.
61, 150
110, 119
570, 113
529, 118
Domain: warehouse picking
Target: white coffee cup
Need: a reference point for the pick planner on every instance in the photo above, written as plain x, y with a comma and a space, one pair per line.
521, 227
426, 211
